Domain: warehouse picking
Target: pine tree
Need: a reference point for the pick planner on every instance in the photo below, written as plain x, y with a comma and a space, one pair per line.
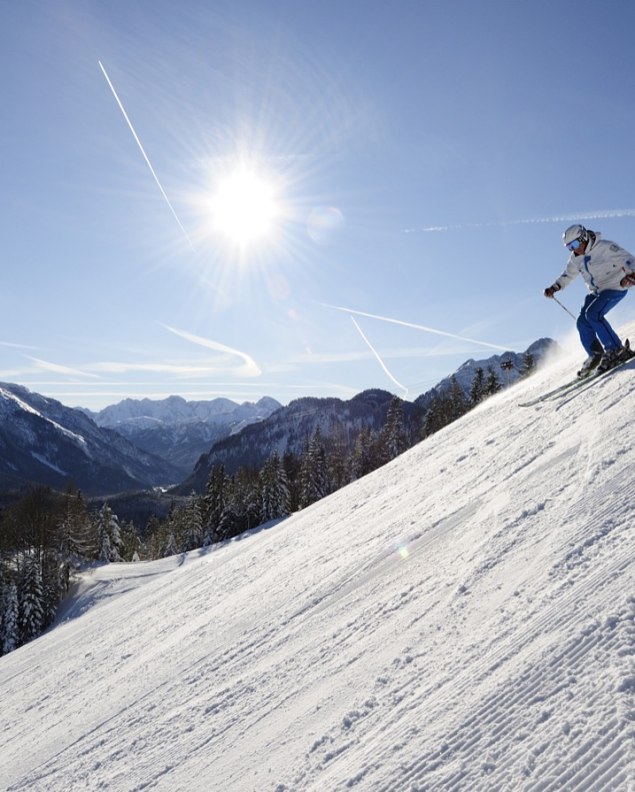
429, 420
115, 538
228, 524
77, 538
313, 472
10, 634
55, 583
214, 503
362, 461
338, 462
477, 390
130, 541
393, 437
291, 467
193, 524
170, 547
339, 468
529, 365
274, 489
154, 537
3, 588
439, 414
31, 601
245, 500
459, 404
108, 535
176, 530
492, 384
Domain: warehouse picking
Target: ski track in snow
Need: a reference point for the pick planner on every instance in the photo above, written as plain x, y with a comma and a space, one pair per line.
462, 619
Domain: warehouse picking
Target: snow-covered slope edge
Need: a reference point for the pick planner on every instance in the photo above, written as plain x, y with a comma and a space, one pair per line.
462, 619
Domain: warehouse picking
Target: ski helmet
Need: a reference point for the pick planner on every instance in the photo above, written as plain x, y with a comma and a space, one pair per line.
574, 232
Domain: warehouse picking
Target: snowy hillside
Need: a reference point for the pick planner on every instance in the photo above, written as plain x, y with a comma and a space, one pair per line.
462, 619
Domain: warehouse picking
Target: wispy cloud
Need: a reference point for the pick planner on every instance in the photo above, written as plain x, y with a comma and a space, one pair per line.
125, 367
328, 357
56, 368
249, 367
602, 214
228, 362
6, 375
12, 345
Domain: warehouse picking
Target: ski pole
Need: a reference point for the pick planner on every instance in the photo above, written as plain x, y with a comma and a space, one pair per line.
564, 307
598, 349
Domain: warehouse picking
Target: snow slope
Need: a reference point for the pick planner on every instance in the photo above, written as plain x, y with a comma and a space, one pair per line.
462, 619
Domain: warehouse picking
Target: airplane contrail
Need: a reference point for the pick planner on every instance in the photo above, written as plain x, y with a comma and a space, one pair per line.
145, 156
381, 362
415, 326
597, 215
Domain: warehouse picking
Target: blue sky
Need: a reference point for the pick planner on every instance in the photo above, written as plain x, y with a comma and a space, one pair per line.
423, 157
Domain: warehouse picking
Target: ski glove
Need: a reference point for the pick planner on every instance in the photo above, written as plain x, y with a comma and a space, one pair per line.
551, 290
628, 280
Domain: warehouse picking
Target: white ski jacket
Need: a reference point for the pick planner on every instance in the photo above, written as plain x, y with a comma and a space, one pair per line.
603, 265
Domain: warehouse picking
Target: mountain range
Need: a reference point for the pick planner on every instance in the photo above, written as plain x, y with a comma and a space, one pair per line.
288, 429
44, 442
179, 430
138, 445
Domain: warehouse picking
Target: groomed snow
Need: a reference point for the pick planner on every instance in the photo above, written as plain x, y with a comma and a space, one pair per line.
462, 619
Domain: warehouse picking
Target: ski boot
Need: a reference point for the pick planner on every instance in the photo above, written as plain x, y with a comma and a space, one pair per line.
591, 363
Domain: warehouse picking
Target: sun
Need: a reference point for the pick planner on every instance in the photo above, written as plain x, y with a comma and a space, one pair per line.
244, 207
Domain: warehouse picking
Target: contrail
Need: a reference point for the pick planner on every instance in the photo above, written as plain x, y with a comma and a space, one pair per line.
598, 215
145, 156
381, 362
416, 326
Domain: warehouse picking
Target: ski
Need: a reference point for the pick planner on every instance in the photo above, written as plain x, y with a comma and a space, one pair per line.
589, 382
572, 385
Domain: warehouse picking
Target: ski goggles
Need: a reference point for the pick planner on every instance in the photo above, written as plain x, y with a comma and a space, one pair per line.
574, 245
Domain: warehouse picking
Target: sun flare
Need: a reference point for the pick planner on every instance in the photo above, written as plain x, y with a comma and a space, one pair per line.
244, 207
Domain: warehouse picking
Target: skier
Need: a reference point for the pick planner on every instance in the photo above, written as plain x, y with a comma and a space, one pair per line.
608, 270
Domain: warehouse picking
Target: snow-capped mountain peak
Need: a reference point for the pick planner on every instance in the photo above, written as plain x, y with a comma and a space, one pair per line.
180, 430
42, 441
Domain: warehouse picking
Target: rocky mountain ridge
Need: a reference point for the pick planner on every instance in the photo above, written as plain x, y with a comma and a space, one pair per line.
508, 368
289, 429
180, 431
44, 442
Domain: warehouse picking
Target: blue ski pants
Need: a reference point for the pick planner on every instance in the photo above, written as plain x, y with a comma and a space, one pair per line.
592, 323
